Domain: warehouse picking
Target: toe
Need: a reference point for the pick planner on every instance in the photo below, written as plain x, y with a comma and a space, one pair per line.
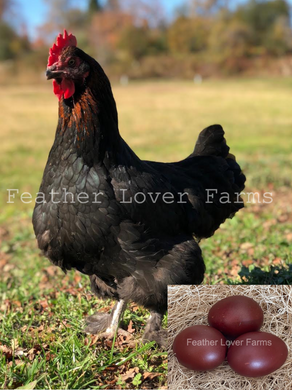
92, 328
160, 337
97, 323
96, 317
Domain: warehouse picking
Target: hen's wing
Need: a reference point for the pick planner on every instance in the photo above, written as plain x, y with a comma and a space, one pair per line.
211, 180
149, 262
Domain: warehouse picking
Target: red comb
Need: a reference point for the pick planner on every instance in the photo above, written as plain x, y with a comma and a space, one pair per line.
61, 42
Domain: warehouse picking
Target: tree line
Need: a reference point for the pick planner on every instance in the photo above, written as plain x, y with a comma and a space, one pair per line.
136, 38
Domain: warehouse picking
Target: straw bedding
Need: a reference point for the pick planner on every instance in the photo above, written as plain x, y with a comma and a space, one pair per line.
189, 305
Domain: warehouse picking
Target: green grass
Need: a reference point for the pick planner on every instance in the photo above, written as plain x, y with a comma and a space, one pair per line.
42, 321
42, 311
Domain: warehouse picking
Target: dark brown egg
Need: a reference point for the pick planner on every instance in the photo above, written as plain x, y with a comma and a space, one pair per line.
236, 315
256, 354
200, 347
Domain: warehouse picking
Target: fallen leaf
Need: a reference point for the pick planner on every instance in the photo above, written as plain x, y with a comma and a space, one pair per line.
277, 260
3, 261
8, 267
40, 328
150, 375
19, 362
51, 270
283, 218
246, 245
44, 304
29, 386
111, 368
7, 352
246, 263
130, 327
50, 356
130, 374
94, 339
19, 352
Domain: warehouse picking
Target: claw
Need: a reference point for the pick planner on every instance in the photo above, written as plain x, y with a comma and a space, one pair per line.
110, 333
106, 324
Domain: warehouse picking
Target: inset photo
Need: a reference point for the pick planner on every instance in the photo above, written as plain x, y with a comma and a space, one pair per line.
229, 337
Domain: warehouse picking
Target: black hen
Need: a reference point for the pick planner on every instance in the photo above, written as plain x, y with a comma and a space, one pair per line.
127, 223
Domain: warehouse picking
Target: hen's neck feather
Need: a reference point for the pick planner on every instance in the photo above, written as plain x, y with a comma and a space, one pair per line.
90, 120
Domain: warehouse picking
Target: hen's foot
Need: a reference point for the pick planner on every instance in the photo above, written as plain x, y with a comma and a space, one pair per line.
153, 330
159, 336
105, 324
97, 323
100, 324
110, 333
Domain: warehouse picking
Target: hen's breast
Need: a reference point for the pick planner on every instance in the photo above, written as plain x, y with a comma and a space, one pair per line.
76, 213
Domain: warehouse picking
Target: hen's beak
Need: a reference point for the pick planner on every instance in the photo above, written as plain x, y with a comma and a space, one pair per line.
53, 73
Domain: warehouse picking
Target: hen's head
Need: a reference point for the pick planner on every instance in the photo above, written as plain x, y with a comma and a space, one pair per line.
66, 66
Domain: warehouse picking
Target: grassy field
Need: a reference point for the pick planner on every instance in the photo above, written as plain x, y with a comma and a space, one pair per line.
41, 311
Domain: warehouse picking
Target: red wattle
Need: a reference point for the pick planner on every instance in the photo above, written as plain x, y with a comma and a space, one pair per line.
66, 88
57, 89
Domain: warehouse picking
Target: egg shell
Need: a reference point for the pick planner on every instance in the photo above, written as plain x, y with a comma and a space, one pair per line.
236, 315
256, 354
200, 347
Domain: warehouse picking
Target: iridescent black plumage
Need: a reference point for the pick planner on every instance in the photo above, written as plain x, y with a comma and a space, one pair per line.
130, 250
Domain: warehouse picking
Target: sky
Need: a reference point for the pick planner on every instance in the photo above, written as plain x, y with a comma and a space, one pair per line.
34, 11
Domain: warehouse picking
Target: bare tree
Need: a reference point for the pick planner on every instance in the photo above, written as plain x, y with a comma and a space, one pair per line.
113, 5
61, 14
150, 10
58, 11
208, 7
6, 6
94, 6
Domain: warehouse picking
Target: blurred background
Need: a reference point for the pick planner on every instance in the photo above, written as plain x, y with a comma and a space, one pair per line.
151, 38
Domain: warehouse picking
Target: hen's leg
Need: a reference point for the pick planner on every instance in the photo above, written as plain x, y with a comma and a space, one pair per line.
153, 330
106, 324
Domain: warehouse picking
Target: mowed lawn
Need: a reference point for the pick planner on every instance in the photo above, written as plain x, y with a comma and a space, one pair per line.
41, 310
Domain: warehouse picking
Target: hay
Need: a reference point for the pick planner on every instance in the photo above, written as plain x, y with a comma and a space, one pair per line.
189, 305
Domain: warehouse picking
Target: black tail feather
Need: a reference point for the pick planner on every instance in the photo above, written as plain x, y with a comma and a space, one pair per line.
211, 142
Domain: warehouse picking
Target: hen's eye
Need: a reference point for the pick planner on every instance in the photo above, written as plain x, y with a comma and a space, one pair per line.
71, 62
